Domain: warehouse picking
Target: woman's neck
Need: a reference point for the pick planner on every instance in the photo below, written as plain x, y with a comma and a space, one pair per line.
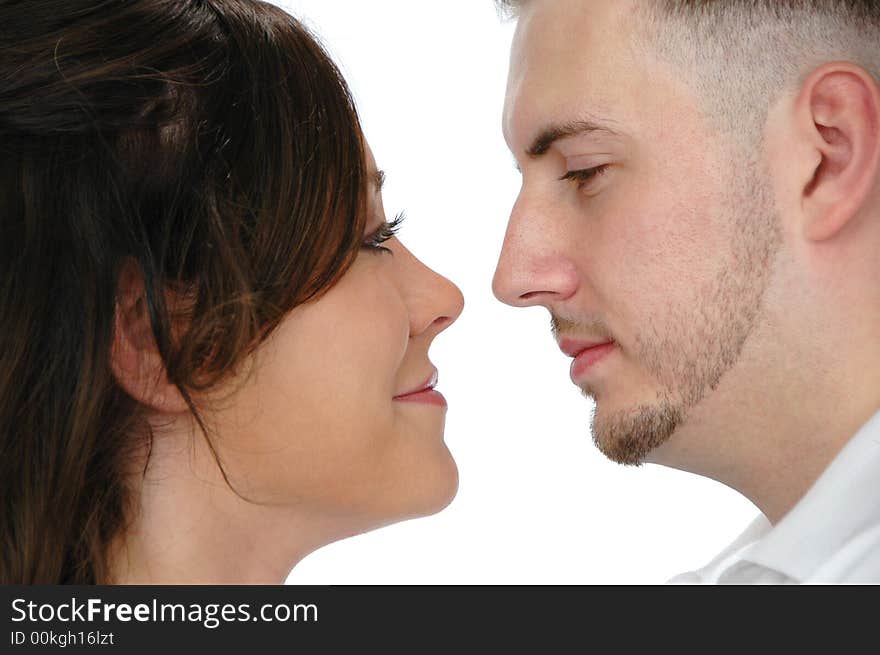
189, 527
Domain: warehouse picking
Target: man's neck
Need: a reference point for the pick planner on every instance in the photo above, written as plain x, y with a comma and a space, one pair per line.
781, 415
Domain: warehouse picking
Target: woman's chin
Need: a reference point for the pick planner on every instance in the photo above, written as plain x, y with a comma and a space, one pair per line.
430, 492
427, 492
443, 491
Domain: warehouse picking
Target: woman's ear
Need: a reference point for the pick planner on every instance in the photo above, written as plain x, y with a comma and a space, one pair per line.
135, 360
838, 114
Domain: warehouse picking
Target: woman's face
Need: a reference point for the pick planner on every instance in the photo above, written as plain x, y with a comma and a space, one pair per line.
320, 424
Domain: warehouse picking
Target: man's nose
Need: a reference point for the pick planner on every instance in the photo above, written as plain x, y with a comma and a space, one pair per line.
534, 267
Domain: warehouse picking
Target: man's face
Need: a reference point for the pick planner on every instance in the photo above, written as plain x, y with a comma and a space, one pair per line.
636, 223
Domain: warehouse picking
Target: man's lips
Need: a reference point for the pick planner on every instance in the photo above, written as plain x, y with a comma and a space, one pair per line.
585, 354
574, 347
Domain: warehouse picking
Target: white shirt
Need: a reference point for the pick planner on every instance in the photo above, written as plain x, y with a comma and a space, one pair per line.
832, 535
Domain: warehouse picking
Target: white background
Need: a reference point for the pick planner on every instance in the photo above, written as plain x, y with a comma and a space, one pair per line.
537, 503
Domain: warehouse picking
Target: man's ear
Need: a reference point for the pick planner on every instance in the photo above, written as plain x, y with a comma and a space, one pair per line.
837, 112
135, 360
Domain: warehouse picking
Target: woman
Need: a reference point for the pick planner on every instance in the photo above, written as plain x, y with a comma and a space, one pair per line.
213, 348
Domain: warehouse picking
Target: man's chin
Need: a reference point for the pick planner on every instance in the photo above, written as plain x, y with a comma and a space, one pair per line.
628, 436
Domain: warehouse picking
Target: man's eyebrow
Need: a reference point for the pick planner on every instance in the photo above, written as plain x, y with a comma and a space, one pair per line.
553, 133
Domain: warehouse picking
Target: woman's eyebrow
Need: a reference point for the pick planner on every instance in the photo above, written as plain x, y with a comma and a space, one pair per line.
379, 179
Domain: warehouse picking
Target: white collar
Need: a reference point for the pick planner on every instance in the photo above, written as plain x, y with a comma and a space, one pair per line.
842, 503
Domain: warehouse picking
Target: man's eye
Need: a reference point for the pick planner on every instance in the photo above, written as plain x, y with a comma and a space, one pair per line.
585, 175
382, 234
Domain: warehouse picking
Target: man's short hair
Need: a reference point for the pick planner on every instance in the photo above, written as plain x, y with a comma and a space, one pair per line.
741, 54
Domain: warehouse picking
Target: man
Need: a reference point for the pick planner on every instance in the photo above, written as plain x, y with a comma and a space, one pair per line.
700, 213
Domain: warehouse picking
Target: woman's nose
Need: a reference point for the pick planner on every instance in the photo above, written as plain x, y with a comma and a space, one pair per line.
434, 302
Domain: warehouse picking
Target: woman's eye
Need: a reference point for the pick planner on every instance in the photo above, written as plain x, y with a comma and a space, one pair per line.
585, 175
382, 234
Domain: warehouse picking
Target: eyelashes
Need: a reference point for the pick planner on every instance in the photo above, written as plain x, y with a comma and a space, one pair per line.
383, 233
586, 175
389, 229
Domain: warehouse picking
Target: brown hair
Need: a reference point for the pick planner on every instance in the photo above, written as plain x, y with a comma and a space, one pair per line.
211, 142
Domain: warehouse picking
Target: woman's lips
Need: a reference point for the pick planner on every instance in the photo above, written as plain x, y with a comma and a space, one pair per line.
587, 357
428, 396
424, 393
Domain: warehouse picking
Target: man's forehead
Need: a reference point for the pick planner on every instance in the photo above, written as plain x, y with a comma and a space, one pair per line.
556, 28
566, 62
